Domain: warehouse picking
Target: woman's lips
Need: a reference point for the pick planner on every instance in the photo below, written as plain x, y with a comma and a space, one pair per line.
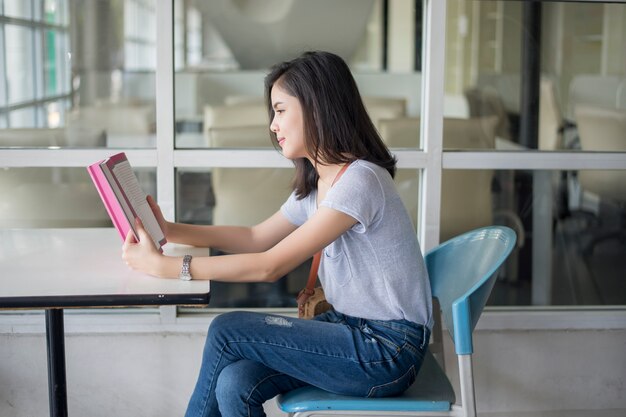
281, 141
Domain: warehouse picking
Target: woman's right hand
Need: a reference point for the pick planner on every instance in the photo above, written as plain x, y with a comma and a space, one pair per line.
159, 216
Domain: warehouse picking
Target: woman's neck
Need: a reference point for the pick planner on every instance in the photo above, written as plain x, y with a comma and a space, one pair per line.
328, 173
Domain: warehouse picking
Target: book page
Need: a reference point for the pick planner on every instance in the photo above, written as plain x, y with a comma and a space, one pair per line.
136, 198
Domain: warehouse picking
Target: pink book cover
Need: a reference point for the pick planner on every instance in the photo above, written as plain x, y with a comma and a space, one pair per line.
108, 198
117, 209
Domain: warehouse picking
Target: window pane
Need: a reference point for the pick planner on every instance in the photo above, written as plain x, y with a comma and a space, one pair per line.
407, 182
239, 196
56, 53
570, 226
22, 118
20, 64
55, 11
531, 65
18, 8
110, 95
227, 53
231, 196
83, 78
56, 197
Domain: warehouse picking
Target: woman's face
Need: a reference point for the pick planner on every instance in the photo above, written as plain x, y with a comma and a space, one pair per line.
288, 123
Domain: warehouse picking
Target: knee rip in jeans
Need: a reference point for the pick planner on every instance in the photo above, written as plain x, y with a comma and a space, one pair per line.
277, 321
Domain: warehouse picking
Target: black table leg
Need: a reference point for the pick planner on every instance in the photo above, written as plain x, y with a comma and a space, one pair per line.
55, 338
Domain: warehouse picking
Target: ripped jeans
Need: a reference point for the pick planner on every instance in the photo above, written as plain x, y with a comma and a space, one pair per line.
250, 358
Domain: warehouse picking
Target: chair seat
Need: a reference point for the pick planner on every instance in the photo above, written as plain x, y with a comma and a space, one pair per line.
431, 391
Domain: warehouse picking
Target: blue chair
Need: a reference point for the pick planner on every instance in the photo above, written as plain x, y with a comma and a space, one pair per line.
462, 274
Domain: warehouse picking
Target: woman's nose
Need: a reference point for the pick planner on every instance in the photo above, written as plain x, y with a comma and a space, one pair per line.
274, 126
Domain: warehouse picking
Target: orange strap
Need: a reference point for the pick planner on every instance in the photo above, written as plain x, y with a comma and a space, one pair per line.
310, 284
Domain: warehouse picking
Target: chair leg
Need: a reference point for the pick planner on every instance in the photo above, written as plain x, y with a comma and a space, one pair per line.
468, 399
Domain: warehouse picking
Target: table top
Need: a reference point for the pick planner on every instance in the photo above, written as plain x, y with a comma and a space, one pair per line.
56, 268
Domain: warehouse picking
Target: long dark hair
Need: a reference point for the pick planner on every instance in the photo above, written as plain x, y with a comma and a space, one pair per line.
337, 128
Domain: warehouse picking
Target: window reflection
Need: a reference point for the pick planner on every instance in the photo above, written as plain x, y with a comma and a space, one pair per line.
221, 93
241, 197
50, 197
85, 71
576, 49
571, 236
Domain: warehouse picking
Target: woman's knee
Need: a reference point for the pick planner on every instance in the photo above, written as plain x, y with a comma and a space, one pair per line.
224, 324
230, 320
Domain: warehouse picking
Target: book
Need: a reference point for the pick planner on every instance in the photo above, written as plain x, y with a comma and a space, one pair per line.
123, 198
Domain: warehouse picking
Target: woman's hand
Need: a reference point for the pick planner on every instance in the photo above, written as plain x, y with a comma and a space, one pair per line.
164, 224
142, 256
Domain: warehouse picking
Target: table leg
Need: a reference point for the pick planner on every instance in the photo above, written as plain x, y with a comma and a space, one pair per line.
57, 389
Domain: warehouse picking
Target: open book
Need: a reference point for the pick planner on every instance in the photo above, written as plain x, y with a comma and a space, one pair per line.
123, 197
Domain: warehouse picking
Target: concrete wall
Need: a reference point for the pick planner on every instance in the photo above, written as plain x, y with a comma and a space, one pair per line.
150, 369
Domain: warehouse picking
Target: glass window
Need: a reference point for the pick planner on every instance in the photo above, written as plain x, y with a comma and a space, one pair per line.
98, 90
23, 118
56, 54
408, 183
140, 35
231, 196
20, 63
56, 12
532, 64
18, 8
239, 196
570, 226
56, 197
219, 90
546, 76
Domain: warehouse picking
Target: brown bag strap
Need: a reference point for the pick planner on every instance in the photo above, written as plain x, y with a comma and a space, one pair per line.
310, 284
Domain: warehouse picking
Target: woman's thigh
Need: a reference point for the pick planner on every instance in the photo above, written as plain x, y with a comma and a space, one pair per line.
333, 355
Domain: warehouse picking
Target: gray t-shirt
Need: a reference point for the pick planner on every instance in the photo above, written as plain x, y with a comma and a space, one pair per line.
375, 270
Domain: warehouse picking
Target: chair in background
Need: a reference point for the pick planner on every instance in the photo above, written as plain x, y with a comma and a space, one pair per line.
244, 196
49, 196
592, 90
381, 108
602, 129
486, 102
462, 273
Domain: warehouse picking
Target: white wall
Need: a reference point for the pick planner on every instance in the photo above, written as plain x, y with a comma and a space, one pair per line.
139, 372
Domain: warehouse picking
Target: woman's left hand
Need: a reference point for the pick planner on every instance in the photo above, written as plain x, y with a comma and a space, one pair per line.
141, 256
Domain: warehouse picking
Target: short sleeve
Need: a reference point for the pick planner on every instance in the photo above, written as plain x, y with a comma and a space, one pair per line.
358, 194
294, 210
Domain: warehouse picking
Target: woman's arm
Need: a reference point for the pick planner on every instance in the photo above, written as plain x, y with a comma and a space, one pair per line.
266, 266
233, 239
230, 239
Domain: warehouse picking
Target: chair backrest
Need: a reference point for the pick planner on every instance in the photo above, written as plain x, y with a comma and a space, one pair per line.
592, 90
462, 273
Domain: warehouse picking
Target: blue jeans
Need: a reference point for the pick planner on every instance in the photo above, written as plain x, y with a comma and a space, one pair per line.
250, 358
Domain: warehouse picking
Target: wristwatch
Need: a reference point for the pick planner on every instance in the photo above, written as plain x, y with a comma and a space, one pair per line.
185, 273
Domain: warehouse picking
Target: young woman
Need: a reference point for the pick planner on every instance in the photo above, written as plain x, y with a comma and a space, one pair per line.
372, 270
